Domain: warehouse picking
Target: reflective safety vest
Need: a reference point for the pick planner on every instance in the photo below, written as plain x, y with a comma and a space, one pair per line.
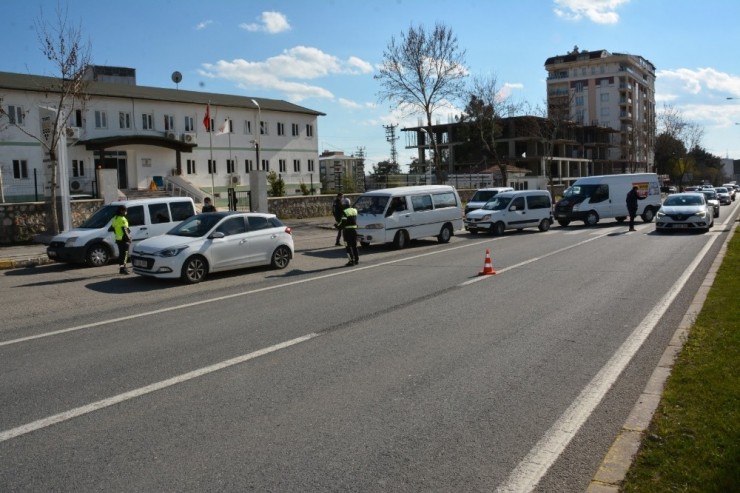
349, 219
119, 224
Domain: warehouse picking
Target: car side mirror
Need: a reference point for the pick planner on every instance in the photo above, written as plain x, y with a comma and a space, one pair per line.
216, 235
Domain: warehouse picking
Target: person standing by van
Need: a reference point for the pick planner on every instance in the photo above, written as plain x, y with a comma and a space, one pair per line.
208, 206
336, 210
348, 227
123, 237
632, 198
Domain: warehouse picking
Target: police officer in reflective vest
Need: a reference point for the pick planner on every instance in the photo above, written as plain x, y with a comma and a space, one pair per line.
348, 225
122, 236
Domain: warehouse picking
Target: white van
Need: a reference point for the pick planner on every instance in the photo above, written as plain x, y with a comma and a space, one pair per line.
93, 244
483, 195
600, 197
512, 210
399, 215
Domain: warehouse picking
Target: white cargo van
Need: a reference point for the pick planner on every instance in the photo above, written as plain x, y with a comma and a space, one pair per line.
483, 195
593, 198
512, 210
399, 215
93, 244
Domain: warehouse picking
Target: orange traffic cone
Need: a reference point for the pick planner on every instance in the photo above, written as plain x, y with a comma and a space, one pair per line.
488, 266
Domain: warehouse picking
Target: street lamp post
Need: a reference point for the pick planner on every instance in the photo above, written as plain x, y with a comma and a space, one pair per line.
258, 129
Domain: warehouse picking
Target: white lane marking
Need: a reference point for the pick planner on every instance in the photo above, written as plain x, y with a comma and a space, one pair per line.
528, 473
116, 399
229, 296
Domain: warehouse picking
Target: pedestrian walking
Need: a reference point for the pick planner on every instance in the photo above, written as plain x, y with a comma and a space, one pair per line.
632, 198
336, 210
123, 237
347, 225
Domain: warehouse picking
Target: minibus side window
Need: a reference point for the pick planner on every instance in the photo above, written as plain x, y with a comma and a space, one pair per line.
538, 202
421, 202
181, 210
159, 213
135, 215
601, 194
446, 199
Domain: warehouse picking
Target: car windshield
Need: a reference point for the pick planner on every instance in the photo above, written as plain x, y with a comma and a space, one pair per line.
683, 200
101, 218
483, 195
497, 204
196, 226
722, 190
578, 191
709, 194
371, 204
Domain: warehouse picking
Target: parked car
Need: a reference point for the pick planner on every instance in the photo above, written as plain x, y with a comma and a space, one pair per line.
215, 242
724, 196
512, 210
684, 211
712, 199
668, 190
483, 195
693, 188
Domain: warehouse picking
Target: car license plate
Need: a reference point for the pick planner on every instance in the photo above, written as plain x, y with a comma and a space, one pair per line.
562, 215
680, 225
138, 262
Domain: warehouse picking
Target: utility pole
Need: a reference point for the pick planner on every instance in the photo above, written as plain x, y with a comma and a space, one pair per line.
390, 136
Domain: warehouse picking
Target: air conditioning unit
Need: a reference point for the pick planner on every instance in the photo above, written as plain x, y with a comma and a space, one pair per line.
72, 133
74, 185
188, 137
171, 135
235, 179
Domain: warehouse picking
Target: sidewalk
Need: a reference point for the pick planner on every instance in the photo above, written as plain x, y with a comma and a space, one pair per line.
33, 254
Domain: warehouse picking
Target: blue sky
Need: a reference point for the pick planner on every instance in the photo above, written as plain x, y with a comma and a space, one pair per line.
322, 54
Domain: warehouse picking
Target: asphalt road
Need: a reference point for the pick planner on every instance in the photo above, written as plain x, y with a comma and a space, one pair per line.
408, 372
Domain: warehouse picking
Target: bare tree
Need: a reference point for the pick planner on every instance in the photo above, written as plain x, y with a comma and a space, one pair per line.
61, 43
487, 107
421, 72
673, 124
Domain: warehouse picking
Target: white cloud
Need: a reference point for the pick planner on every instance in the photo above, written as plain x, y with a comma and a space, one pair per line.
598, 11
694, 81
349, 104
202, 25
269, 22
282, 72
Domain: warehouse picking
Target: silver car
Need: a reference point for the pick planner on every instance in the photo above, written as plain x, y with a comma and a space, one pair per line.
724, 195
688, 210
712, 199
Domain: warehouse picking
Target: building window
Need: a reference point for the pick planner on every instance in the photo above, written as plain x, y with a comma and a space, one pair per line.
297, 165
20, 169
78, 168
169, 122
189, 124
604, 97
579, 100
265, 165
263, 128
309, 130
247, 127
230, 165
248, 165
604, 111
16, 115
147, 121
190, 166
579, 86
77, 119
280, 128
101, 119
295, 129
124, 119
212, 166
282, 165
310, 166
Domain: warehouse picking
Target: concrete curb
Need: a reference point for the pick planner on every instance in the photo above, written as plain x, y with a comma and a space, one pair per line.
621, 455
17, 263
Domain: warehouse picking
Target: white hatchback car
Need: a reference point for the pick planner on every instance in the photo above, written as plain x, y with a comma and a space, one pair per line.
215, 242
688, 210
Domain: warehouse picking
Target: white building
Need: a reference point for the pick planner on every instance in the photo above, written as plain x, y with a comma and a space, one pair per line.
147, 134
606, 89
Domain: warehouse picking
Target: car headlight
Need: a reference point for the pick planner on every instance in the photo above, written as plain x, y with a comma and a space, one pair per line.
576, 207
70, 242
701, 213
487, 217
171, 252
660, 214
375, 226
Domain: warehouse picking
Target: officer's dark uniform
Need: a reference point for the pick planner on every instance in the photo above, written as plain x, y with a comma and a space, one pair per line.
348, 225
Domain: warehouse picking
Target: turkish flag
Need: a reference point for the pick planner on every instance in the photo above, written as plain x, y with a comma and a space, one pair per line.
207, 118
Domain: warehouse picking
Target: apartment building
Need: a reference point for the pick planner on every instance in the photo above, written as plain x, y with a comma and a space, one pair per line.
149, 133
615, 90
342, 173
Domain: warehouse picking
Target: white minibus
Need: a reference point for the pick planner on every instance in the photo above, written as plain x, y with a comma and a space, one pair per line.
399, 215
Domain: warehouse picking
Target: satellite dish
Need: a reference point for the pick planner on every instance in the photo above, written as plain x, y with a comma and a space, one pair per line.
176, 77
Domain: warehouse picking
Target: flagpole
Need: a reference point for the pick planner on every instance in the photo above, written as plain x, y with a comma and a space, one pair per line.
210, 142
